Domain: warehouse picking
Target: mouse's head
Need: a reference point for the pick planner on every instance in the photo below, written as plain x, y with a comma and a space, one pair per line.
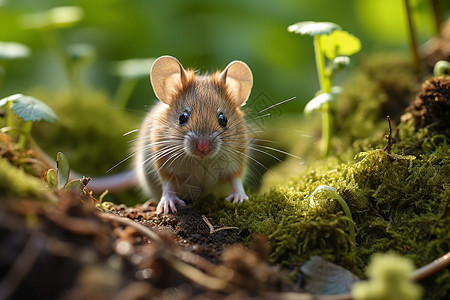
204, 115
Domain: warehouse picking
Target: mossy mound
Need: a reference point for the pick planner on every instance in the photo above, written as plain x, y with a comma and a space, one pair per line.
399, 200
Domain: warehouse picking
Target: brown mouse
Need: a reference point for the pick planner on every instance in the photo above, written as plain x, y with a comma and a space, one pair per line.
196, 137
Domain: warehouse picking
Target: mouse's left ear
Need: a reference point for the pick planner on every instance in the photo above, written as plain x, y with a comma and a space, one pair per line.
238, 77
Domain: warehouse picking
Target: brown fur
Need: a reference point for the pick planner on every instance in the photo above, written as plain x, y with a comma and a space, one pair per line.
174, 155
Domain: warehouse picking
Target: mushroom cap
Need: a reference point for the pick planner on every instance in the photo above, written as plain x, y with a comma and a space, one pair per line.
313, 28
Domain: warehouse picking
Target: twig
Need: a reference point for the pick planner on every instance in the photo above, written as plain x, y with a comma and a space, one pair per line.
306, 296
436, 16
75, 225
197, 276
431, 268
211, 227
190, 272
390, 139
128, 222
22, 265
412, 36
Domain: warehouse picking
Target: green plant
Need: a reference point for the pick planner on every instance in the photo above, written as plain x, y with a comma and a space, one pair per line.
60, 178
335, 45
333, 192
30, 110
441, 68
389, 280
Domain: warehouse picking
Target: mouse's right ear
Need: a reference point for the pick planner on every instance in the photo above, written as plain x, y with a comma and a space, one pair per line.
167, 77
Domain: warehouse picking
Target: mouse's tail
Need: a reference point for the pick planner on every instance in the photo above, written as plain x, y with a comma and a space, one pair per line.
114, 183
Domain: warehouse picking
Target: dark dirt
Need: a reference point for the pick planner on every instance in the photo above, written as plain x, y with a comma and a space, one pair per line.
188, 228
431, 107
74, 250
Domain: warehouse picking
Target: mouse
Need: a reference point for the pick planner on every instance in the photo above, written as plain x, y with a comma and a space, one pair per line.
196, 137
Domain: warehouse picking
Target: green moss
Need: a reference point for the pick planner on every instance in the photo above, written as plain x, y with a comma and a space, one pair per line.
16, 183
399, 200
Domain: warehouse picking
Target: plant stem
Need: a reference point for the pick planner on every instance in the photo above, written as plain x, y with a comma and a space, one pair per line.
436, 16
2, 75
23, 137
320, 64
327, 121
347, 213
325, 87
9, 116
412, 37
124, 92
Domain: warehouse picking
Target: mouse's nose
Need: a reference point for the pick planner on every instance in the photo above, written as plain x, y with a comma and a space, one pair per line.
203, 145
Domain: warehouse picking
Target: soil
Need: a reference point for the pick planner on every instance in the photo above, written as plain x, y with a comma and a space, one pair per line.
75, 250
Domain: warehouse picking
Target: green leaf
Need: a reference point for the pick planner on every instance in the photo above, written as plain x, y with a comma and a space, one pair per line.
313, 28
51, 178
75, 185
63, 169
340, 62
12, 50
29, 108
317, 102
339, 43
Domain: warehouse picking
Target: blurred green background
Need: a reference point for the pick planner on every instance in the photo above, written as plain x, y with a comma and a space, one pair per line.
202, 34
205, 35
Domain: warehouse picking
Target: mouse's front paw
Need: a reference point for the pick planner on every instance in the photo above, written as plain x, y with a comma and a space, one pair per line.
169, 201
237, 197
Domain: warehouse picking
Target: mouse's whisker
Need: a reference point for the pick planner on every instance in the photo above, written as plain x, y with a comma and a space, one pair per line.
157, 156
279, 151
276, 104
237, 155
264, 152
130, 132
173, 156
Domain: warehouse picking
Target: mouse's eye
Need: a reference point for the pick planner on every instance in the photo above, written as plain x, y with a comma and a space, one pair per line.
183, 118
222, 120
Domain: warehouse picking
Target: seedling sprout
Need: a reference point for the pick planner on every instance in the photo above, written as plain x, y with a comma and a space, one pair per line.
30, 110
333, 192
60, 178
441, 68
336, 45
